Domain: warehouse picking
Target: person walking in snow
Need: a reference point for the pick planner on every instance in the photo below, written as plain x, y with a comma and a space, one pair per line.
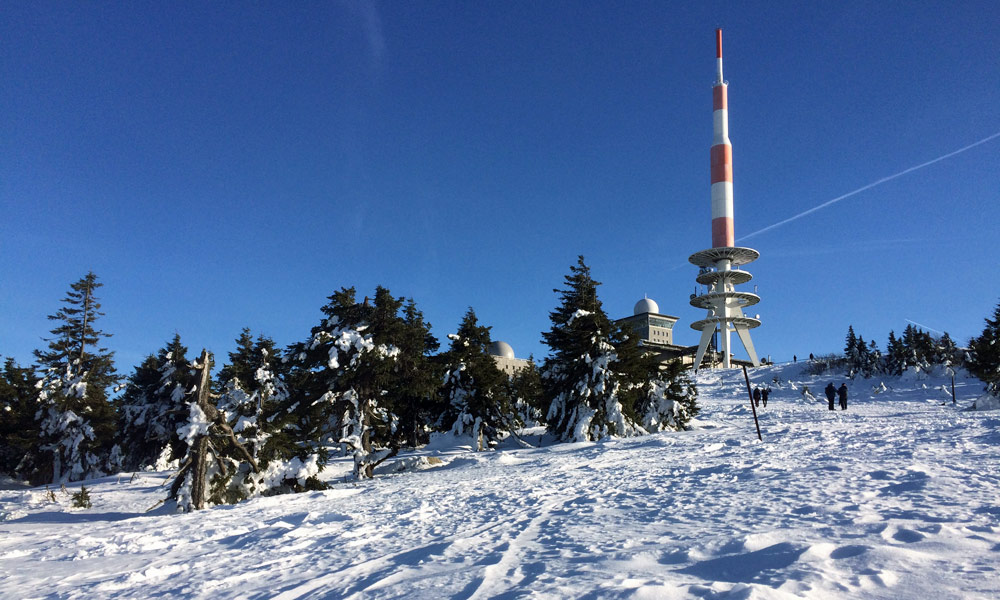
764, 394
831, 393
842, 392
756, 396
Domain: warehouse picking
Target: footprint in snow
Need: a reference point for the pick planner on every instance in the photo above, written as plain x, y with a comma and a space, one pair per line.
848, 552
902, 535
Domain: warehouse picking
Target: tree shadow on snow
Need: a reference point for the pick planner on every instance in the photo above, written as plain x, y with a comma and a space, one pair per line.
75, 517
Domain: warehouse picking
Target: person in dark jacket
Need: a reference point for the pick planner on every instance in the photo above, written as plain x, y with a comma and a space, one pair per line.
764, 393
756, 396
831, 393
842, 392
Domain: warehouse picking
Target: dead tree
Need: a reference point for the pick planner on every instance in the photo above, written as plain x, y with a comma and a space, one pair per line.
201, 449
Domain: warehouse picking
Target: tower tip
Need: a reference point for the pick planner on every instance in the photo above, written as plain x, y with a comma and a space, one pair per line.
718, 43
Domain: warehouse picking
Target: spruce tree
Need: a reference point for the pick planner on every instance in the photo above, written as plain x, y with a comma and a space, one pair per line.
476, 391
656, 395
984, 355
670, 399
895, 359
851, 347
76, 422
152, 408
346, 375
18, 428
578, 377
320, 367
873, 360
413, 396
852, 352
527, 394
947, 352
253, 390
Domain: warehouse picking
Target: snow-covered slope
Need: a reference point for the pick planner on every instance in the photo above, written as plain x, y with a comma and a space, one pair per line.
895, 498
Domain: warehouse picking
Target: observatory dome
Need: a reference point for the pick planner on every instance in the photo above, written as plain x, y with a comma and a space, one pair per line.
502, 349
645, 306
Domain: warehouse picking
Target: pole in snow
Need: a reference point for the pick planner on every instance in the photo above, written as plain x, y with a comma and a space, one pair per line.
752, 407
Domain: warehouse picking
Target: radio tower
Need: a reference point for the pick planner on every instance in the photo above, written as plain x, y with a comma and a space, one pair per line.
720, 265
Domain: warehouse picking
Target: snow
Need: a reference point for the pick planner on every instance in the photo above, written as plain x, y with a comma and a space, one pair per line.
893, 498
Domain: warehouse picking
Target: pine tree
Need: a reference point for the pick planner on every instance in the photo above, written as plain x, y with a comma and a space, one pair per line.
873, 360
984, 355
656, 395
948, 354
579, 381
18, 428
152, 408
76, 421
477, 392
852, 352
670, 399
253, 390
527, 394
343, 376
413, 395
318, 370
851, 347
895, 359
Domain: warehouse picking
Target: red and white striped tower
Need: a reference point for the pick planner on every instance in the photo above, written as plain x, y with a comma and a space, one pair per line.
720, 271
722, 158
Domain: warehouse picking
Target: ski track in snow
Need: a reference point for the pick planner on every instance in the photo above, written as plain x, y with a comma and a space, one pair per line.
894, 498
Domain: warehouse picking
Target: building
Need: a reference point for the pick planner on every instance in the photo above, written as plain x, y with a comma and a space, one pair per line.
503, 355
656, 332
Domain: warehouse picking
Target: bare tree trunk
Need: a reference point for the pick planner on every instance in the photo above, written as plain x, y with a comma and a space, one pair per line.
200, 448
86, 313
366, 437
198, 460
199, 473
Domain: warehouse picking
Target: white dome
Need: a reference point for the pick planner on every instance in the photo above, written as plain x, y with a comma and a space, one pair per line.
501, 349
645, 306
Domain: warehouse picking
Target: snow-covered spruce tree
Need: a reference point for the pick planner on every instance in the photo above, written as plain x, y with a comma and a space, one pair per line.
919, 347
872, 360
76, 422
413, 389
578, 377
658, 396
895, 355
851, 351
476, 391
346, 378
254, 402
153, 406
527, 394
253, 390
984, 354
18, 404
947, 353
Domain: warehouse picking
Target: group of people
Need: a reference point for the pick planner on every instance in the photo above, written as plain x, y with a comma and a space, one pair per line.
832, 392
761, 394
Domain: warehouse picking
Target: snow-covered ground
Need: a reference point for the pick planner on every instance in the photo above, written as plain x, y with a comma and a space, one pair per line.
895, 498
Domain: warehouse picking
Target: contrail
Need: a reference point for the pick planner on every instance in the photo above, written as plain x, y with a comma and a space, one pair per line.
869, 186
924, 326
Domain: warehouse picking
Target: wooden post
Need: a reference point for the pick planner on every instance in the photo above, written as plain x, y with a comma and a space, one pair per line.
752, 407
953, 399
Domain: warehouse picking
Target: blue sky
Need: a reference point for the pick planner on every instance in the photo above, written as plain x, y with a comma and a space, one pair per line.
222, 165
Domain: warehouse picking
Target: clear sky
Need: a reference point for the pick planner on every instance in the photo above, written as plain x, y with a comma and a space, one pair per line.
222, 165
